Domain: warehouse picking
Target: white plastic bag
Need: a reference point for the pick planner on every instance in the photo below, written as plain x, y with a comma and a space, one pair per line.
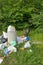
27, 44
12, 48
5, 35
1, 60
19, 40
0, 46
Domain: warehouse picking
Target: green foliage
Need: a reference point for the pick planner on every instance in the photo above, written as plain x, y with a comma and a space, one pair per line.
21, 14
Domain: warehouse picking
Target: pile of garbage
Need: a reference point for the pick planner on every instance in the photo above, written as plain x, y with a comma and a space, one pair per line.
9, 40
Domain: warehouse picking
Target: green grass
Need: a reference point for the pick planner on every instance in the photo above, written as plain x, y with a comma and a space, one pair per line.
37, 37
26, 57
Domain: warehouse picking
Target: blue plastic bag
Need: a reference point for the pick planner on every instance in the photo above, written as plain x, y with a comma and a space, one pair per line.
27, 38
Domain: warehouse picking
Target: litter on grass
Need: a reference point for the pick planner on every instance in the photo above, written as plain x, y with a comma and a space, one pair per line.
19, 40
30, 50
9, 50
11, 34
5, 35
0, 46
10, 40
27, 45
13, 43
1, 60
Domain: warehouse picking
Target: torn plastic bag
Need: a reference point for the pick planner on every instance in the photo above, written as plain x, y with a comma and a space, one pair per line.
1, 60
27, 45
5, 35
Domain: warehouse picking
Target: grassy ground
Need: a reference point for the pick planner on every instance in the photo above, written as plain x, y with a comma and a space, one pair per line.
26, 57
38, 37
